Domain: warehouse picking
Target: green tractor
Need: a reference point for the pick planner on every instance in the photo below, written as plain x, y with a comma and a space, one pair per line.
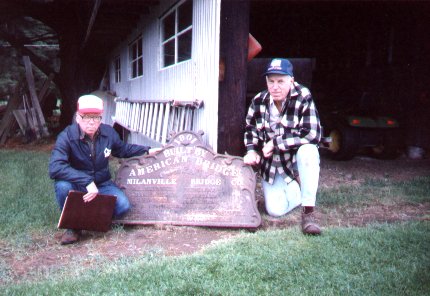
364, 128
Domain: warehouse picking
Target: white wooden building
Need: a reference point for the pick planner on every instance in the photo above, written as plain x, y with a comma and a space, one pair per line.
165, 74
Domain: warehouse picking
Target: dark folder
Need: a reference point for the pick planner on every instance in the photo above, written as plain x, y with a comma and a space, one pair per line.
95, 215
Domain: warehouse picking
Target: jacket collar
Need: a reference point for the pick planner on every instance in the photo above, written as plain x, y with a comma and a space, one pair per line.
77, 134
295, 91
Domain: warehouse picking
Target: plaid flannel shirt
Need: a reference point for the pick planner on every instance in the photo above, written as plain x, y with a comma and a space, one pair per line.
299, 124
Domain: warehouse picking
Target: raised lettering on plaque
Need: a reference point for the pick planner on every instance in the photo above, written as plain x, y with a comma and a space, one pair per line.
186, 183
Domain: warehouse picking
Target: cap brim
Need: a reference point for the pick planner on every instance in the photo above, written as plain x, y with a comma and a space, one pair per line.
276, 72
90, 110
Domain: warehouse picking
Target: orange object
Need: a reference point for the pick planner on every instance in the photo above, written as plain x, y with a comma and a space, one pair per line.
254, 47
355, 121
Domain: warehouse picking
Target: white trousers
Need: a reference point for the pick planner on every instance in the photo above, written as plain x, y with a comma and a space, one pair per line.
281, 197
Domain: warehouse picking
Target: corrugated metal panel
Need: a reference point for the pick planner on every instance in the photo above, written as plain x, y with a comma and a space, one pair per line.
206, 56
195, 79
109, 106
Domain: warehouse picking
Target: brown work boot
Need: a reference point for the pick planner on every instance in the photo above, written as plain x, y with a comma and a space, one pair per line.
309, 225
70, 236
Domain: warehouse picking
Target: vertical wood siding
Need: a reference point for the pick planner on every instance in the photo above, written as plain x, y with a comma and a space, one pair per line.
195, 79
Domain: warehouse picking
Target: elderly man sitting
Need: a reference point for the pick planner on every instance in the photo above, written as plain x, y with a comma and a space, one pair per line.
281, 137
80, 159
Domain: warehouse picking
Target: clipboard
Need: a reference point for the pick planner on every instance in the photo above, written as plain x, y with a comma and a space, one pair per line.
95, 215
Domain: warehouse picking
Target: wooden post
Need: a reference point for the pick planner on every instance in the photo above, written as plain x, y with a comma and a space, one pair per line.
145, 118
34, 100
232, 90
149, 118
159, 122
45, 87
165, 123
154, 121
8, 121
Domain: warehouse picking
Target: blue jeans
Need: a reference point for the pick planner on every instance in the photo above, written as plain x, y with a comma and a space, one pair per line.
122, 204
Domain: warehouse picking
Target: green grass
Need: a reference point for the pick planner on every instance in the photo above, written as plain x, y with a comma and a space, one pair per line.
381, 259
382, 191
26, 196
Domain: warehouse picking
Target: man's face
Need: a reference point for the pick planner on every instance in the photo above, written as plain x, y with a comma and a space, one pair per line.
279, 86
89, 123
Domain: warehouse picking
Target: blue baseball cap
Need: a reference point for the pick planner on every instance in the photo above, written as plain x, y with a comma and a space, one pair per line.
279, 66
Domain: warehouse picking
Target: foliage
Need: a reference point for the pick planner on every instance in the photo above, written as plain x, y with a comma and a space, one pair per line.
38, 38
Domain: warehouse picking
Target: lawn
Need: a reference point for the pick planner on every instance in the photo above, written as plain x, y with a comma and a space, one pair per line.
376, 259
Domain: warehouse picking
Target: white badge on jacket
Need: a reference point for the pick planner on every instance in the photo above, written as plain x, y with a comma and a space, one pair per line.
107, 152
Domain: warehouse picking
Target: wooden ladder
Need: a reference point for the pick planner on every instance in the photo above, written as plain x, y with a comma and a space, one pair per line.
156, 119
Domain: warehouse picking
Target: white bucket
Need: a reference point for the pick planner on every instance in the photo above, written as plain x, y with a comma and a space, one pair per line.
415, 152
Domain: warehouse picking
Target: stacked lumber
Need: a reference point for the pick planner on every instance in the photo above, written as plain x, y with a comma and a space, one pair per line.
25, 111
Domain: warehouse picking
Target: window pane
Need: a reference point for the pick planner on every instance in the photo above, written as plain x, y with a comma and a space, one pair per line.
185, 15
133, 70
117, 68
184, 46
134, 51
140, 67
169, 53
139, 47
168, 26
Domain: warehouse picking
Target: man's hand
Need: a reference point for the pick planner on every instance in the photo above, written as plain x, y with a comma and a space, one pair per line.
92, 192
251, 158
268, 149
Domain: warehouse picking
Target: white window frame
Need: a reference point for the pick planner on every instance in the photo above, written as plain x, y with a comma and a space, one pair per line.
177, 34
117, 69
136, 62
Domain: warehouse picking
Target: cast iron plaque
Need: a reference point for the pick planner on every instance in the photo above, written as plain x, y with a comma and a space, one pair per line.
186, 183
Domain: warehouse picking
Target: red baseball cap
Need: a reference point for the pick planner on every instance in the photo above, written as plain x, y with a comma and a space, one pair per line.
90, 104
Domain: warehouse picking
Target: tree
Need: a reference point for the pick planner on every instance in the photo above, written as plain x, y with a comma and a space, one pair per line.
62, 22
86, 31
33, 35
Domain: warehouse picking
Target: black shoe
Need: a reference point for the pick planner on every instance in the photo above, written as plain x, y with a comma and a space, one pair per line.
70, 236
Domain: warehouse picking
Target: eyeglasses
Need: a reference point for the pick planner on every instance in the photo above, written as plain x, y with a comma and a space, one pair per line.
88, 118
